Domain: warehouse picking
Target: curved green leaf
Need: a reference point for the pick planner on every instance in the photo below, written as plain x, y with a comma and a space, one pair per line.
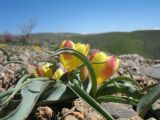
30, 95
155, 110
120, 86
148, 99
111, 98
85, 61
132, 81
57, 93
8, 108
6, 55
149, 87
17, 88
15, 62
6, 93
87, 85
89, 100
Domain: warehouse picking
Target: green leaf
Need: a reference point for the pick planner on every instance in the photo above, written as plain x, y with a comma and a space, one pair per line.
57, 93
87, 85
89, 100
148, 99
119, 86
15, 62
17, 88
8, 108
149, 87
132, 81
30, 95
110, 98
155, 110
85, 61
6, 55
6, 93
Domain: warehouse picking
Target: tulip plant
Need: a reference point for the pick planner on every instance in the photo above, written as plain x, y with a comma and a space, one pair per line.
78, 72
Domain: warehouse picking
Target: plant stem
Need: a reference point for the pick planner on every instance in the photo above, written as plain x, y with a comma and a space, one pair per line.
85, 61
89, 100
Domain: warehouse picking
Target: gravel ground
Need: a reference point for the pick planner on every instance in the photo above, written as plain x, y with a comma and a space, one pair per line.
145, 71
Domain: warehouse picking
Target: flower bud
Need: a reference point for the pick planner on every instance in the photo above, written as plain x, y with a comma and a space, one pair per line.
44, 70
67, 44
57, 74
103, 65
84, 73
70, 62
66, 59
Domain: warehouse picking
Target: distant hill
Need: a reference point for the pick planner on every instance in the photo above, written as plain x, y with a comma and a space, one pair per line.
145, 43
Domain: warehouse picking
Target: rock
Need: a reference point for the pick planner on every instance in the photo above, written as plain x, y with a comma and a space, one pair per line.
156, 65
81, 111
2, 90
44, 113
156, 109
93, 116
151, 118
119, 110
132, 118
30, 68
133, 67
157, 61
64, 111
136, 118
153, 71
144, 81
122, 119
70, 117
1, 68
1, 83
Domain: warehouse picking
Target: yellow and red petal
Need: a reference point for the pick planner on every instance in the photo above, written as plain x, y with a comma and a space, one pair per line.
98, 60
84, 73
39, 71
98, 56
103, 65
82, 48
67, 44
66, 59
44, 70
87, 49
66, 62
70, 62
93, 54
110, 67
58, 73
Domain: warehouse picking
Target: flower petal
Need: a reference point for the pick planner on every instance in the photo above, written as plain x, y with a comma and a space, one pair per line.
83, 73
70, 62
103, 65
57, 75
44, 70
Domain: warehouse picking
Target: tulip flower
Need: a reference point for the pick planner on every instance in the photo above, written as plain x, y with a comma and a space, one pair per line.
66, 59
67, 44
46, 70
84, 73
103, 65
69, 61
58, 74
83, 49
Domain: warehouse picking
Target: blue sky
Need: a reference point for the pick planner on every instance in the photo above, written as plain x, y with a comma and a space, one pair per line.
80, 16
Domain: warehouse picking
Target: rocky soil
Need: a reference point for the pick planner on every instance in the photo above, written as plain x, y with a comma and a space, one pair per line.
145, 71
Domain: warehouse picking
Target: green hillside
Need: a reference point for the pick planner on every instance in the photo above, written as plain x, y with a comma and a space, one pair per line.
145, 43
